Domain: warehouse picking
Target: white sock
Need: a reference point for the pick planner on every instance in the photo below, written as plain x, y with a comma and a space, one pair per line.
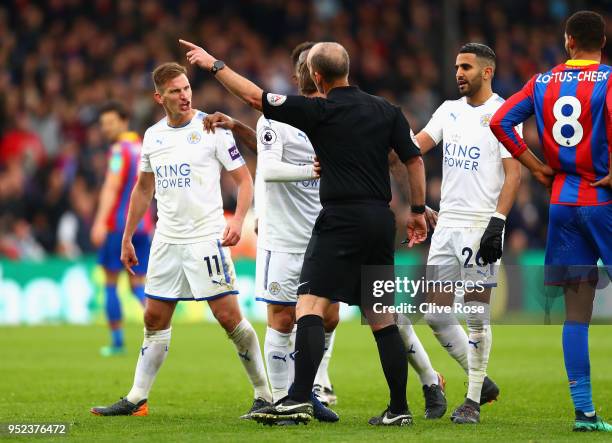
152, 354
291, 359
417, 356
246, 342
322, 377
451, 335
276, 351
480, 338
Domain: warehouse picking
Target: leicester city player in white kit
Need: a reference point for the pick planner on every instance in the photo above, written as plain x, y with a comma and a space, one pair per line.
189, 259
287, 205
479, 185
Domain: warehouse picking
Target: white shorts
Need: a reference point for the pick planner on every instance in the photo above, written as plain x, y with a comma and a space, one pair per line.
195, 271
277, 277
454, 256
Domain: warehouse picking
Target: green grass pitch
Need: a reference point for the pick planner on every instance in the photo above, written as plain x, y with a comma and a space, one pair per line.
54, 374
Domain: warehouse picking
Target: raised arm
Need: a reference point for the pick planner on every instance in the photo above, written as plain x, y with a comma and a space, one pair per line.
243, 88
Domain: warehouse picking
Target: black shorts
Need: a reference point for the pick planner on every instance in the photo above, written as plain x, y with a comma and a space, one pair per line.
346, 237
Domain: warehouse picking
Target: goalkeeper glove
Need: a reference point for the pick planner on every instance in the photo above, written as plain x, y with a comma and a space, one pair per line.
491, 241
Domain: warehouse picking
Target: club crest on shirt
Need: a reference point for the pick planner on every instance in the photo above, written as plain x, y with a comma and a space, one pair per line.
485, 120
274, 288
268, 136
276, 99
194, 137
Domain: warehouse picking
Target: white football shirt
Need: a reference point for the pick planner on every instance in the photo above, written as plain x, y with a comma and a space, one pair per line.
286, 210
472, 171
187, 165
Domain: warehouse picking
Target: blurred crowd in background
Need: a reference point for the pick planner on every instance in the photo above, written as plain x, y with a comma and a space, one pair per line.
60, 60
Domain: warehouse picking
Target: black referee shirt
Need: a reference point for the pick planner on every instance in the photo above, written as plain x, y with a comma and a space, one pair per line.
352, 133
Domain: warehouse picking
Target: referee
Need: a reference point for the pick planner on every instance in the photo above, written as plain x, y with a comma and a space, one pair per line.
352, 133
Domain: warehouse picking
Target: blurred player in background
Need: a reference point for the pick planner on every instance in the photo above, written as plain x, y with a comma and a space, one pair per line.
573, 107
107, 230
479, 185
190, 258
287, 205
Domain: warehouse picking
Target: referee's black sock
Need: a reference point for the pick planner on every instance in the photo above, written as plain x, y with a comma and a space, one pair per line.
392, 352
309, 349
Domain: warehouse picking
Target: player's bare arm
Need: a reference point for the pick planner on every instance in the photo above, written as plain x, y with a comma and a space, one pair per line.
244, 133
233, 230
416, 228
512, 182
543, 173
139, 203
425, 142
108, 196
491, 243
241, 87
400, 175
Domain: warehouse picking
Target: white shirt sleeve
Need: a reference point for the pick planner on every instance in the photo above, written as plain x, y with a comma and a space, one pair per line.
270, 154
145, 162
436, 123
226, 150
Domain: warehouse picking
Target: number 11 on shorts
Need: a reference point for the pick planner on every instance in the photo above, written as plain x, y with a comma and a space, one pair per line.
209, 261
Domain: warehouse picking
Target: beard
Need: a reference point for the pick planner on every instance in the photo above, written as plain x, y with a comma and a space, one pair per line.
470, 88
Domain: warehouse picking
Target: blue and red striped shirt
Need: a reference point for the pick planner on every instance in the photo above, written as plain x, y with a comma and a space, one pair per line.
572, 104
125, 160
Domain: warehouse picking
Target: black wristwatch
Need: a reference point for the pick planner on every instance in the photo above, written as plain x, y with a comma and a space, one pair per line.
217, 66
418, 209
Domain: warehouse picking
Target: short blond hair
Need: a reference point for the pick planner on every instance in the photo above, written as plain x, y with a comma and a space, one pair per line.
166, 72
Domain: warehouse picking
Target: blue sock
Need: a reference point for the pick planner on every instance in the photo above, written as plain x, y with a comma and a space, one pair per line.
577, 364
113, 314
117, 337
138, 291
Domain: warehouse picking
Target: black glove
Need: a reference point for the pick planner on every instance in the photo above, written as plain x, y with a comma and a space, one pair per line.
491, 241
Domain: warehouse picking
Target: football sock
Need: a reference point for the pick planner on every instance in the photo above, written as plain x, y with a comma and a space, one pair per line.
152, 354
291, 359
246, 342
417, 356
113, 306
309, 348
277, 350
322, 377
451, 336
577, 365
392, 354
113, 315
117, 336
138, 291
479, 346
